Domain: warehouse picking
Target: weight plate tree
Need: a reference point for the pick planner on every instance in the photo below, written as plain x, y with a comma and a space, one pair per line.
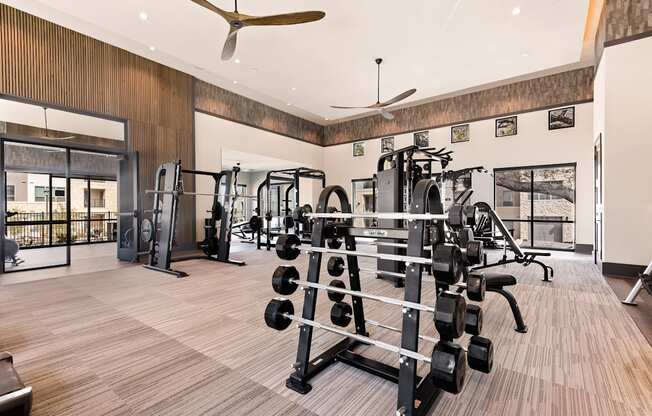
416, 395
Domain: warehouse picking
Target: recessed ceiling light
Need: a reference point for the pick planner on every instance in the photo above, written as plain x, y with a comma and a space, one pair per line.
294, 88
525, 54
235, 82
237, 61
289, 103
152, 48
516, 11
143, 16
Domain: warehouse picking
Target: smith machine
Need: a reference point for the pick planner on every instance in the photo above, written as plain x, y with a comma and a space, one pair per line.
159, 232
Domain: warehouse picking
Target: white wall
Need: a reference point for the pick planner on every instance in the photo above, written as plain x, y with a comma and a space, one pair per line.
534, 145
213, 135
624, 91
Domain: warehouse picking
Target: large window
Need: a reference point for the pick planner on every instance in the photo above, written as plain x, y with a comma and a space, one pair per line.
537, 205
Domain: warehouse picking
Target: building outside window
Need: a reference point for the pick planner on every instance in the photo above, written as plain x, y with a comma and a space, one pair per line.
11, 193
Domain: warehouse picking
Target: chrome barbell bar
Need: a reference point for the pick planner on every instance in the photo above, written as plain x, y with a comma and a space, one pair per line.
379, 215
366, 340
181, 193
403, 276
383, 256
384, 299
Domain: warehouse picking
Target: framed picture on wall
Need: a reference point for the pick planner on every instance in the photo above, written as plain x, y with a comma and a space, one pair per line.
506, 126
358, 149
460, 134
422, 138
386, 145
561, 118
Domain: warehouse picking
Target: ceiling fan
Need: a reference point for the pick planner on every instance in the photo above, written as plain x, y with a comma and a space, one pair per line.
237, 21
380, 107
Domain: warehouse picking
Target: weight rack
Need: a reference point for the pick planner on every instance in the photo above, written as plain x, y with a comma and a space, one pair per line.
416, 395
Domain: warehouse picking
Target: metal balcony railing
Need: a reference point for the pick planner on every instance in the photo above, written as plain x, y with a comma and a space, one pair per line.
36, 229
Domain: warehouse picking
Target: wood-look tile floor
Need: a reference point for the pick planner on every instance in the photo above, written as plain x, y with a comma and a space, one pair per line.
136, 342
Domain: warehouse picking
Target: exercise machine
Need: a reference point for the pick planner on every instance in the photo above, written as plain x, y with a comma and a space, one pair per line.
398, 172
644, 281
160, 231
525, 258
289, 208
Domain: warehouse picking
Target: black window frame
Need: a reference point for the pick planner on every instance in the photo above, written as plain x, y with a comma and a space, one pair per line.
531, 220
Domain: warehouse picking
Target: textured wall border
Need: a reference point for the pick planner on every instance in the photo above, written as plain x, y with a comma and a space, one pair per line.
216, 101
550, 91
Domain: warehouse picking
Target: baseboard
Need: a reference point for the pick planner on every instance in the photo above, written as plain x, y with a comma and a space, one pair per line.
584, 248
619, 269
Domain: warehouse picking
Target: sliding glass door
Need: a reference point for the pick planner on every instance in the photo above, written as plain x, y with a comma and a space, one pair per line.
537, 205
35, 229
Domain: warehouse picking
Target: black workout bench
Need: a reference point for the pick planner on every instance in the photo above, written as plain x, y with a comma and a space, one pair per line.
15, 397
496, 282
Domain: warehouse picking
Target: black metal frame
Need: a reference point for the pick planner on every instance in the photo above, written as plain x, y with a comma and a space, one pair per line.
558, 109
22, 139
276, 179
416, 395
532, 220
515, 117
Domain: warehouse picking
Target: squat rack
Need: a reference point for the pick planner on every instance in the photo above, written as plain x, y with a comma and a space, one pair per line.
274, 178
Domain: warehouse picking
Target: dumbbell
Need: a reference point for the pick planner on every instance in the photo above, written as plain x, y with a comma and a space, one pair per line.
475, 284
341, 315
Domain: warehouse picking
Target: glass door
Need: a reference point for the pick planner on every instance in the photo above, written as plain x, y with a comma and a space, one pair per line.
35, 228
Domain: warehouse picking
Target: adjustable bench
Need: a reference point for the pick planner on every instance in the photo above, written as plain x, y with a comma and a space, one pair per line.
496, 282
15, 398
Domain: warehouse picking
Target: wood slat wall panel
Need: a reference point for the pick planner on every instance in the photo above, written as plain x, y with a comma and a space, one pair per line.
53, 65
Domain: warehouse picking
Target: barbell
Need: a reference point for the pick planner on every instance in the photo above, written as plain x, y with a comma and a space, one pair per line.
480, 350
446, 260
342, 313
447, 362
472, 250
475, 285
449, 310
182, 193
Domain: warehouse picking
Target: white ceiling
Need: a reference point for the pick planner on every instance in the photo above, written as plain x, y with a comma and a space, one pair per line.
435, 46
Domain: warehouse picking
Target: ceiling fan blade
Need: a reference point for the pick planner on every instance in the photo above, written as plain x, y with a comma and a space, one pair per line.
398, 98
283, 19
346, 108
386, 115
229, 44
210, 6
